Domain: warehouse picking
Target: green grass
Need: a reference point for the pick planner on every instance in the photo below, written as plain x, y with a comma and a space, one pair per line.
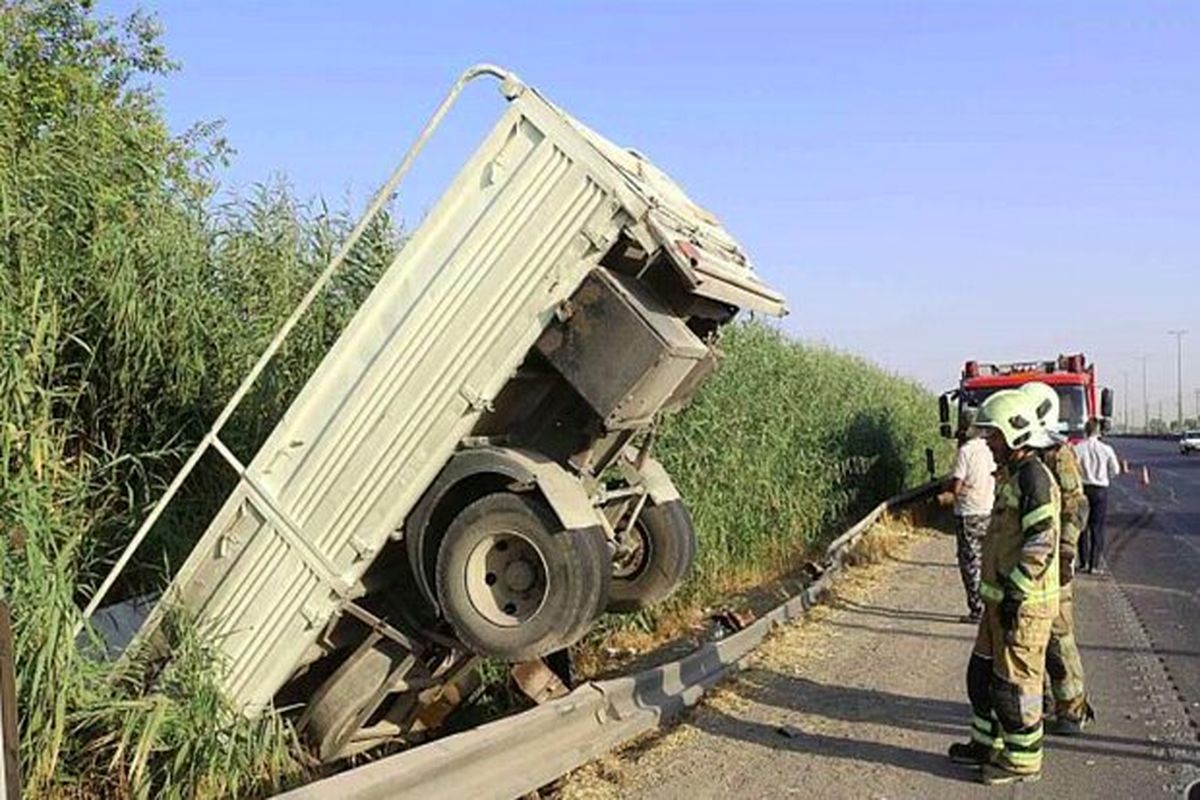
780, 451
784, 445
131, 304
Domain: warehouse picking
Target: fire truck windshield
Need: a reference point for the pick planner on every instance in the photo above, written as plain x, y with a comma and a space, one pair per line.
1072, 405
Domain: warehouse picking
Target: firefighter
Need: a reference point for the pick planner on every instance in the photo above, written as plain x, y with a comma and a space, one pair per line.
1067, 703
1020, 592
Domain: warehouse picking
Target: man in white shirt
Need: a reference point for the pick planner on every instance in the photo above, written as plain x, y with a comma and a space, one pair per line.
974, 487
1099, 465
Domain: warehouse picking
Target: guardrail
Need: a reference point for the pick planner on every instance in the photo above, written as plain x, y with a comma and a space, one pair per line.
515, 755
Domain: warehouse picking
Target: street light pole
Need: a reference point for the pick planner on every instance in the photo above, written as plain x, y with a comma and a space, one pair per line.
1178, 334
1145, 401
1125, 401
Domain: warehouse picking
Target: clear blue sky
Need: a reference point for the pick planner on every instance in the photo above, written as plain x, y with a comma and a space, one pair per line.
899, 170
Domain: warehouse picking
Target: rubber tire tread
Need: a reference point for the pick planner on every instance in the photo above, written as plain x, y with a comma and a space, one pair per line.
346, 696
577, 580
591, 544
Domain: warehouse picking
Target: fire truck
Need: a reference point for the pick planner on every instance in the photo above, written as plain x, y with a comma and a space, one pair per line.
1070, 375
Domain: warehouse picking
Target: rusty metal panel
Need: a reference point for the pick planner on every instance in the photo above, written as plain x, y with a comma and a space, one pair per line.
10, 739
621, 349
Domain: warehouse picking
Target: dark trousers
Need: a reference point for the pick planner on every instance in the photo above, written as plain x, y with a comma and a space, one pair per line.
969, 531
1091, 543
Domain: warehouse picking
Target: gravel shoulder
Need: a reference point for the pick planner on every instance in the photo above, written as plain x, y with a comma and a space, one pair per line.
862, 698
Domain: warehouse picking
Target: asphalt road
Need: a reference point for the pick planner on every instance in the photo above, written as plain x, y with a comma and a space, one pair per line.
1154, 556
863, 699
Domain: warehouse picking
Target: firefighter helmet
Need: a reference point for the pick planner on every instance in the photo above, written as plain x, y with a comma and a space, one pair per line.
1045, 405
1011, 412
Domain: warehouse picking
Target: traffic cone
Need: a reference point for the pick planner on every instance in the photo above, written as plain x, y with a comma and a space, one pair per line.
1145, 475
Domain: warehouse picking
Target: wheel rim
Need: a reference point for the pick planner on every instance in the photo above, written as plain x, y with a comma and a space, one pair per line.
507, 579
631, 559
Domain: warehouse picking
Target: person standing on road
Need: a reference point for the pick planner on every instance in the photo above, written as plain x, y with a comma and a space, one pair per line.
1020, 591
1100, 465
1066, 702
973, 487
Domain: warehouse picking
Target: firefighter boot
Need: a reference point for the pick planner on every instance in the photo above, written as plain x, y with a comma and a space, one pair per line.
972, 753
1069, 726
999, 774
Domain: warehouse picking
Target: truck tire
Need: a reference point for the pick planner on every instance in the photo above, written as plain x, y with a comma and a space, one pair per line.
512, 584
333, 717
665, 546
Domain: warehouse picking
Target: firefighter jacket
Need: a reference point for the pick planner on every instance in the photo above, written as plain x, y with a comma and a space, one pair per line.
1064, 464
1020, 552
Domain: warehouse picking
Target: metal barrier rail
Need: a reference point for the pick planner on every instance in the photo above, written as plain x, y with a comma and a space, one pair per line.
515, 755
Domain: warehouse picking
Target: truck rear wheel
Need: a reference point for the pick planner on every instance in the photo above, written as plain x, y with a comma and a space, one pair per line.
656, 559
512, 584
350, 697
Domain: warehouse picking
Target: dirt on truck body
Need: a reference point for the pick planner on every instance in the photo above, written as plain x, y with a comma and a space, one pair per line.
468, 470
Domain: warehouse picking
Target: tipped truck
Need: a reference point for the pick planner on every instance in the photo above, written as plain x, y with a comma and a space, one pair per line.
468, 472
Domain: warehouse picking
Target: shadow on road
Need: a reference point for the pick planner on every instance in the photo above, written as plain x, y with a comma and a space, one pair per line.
933, 564
842, 604
968, 636
859, 706
891, 710
847, 704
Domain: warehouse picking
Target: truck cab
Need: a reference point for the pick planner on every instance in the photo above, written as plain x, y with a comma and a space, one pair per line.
1071, 376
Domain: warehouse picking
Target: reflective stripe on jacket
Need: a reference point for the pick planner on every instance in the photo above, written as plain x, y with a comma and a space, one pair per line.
1020, 552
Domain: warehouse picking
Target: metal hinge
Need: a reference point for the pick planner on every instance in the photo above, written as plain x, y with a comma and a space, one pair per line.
361, 549
474, 399
598, 239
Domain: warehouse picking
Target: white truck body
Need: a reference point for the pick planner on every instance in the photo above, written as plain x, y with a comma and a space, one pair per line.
526, 219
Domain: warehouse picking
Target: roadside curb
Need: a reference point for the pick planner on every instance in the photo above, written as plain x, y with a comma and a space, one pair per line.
518, 754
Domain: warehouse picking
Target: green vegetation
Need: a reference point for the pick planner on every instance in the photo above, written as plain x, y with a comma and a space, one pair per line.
785, 444
131, 303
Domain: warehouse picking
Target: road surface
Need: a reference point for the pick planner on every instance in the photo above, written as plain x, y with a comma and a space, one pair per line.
1154, 555
863, 699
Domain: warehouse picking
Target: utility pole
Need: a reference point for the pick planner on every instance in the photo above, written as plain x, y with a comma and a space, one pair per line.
1145, 402
1198, 406
1125, 402
1178, 334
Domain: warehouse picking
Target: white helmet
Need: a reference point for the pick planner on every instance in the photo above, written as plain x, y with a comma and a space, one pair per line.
1012, 413
1045, 405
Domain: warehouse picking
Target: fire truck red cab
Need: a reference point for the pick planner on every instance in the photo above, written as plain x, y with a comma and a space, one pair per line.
1070, 375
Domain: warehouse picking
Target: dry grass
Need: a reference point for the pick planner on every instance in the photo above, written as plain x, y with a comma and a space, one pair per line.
885, 539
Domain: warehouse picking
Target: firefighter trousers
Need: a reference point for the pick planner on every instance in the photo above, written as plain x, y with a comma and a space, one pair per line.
1004, 683
1064, 667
